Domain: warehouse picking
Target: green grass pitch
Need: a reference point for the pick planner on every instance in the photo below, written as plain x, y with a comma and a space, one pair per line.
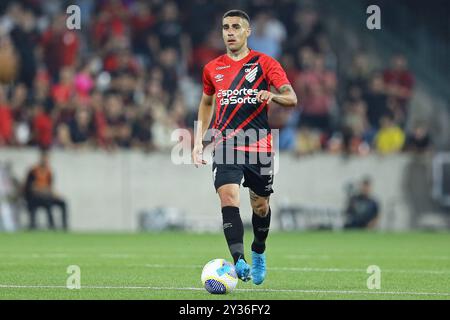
311, 265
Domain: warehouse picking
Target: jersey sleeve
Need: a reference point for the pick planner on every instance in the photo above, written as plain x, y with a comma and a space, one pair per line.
208, 87
275, 74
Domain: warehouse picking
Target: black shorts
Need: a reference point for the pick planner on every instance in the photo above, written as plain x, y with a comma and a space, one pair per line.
257, 176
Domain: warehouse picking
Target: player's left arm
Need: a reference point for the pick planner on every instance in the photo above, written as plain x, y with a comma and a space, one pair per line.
286, 96
277, 78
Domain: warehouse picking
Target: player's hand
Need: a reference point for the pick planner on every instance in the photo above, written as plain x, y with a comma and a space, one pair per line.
197, 155
264, 95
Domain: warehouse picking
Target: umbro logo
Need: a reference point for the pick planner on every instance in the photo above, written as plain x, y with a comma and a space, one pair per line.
251, 74
218, 77
227, 225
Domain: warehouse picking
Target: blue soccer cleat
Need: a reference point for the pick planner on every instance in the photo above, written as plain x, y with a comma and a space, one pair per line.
258, 267
243, 270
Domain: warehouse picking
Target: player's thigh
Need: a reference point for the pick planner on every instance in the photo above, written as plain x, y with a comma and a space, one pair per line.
227, 179
259, 179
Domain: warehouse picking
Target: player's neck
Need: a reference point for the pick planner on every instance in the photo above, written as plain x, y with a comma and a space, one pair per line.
238, 55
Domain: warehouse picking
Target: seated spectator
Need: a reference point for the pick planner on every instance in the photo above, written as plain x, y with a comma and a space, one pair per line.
118, 131
362, 209
390, 138
355, 123
81, 128
141, 132
419, 140
39, 193
42, 127
284, 120
308, 141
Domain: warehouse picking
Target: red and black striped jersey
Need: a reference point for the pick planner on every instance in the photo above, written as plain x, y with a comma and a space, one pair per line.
235, 84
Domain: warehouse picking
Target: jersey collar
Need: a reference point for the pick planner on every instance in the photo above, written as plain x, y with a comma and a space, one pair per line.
248, 56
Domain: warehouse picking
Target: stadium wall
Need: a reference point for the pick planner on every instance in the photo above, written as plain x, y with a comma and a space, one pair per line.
106, 191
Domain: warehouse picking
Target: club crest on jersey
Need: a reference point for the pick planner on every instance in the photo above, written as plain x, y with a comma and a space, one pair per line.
251, 74
218, 77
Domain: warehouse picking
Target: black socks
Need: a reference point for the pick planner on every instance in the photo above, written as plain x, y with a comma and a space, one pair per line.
260, 231
234, 231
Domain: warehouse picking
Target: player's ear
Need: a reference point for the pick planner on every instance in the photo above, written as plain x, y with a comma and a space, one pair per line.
249, 32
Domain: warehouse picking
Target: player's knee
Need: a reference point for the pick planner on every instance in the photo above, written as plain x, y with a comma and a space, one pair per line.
261, 208
229, 199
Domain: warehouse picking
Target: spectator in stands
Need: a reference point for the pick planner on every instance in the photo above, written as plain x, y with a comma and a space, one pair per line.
305, 58
81, 128
307, 28
99, 118
390, 138
6, 119
268, 33
42, 127
308, 141
168, 28
118, 131
142, 22
141, 131
359, 72
147, 52
419, 140
376, 100
39, 193
399, 82
210, 48
60, 46
317, 87
168, 63
325, 48
23, 35
355, 123
362, 209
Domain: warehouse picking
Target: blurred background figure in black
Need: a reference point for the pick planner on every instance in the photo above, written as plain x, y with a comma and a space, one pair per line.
418, 141
9, 196
362, 209
39, 193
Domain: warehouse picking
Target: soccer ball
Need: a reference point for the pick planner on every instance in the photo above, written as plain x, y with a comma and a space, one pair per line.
219, 276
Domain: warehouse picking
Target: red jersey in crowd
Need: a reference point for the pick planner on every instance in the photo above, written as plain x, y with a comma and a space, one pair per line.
6, 124
43, 129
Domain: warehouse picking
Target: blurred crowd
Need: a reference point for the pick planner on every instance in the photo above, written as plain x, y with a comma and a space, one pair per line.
132, 75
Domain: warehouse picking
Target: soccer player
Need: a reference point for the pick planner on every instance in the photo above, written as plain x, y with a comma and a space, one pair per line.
240, 82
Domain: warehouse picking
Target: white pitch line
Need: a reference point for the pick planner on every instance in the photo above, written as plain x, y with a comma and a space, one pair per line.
327, 257
412, 293
305, 269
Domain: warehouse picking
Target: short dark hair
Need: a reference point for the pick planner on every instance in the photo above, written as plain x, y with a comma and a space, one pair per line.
237, 13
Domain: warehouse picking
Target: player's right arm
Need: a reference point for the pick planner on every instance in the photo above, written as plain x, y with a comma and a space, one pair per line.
205, 113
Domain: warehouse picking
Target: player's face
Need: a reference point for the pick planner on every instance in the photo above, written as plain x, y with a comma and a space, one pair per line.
235, 32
